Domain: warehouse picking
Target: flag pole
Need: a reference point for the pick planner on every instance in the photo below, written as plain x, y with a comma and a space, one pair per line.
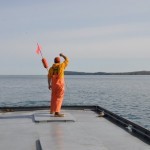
44, 61
41, 54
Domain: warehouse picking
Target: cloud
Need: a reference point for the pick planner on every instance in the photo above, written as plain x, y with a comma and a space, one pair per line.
124, 40
100, 31
84, 30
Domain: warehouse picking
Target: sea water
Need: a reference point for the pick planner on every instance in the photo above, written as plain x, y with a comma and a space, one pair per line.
127, 96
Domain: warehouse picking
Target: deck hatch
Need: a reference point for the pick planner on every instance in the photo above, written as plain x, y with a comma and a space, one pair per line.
46, 117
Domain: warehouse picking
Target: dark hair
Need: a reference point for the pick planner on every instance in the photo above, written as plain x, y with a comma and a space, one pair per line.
57, 60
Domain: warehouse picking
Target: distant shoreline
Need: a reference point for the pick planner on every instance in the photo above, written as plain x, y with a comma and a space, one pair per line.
87, 73
106, 73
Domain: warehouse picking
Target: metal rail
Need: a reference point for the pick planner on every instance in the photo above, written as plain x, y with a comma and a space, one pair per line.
129, 126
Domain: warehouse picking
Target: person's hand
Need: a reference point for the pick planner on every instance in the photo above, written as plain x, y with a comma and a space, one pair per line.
61, 54
49, 87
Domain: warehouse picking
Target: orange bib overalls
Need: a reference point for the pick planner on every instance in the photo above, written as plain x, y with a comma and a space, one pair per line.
58, 89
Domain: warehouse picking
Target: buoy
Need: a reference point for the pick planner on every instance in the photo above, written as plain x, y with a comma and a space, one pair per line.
44, 61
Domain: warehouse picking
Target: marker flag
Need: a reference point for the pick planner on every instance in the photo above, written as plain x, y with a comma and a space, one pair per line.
38, 50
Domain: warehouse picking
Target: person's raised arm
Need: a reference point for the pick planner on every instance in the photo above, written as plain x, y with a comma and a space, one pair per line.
62, 55
65, 63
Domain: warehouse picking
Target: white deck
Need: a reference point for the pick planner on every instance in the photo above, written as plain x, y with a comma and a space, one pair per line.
18, 131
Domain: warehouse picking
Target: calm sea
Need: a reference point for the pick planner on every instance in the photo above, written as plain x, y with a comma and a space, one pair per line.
127, 96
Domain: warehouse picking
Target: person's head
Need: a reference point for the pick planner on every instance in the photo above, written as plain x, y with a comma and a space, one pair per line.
57, 60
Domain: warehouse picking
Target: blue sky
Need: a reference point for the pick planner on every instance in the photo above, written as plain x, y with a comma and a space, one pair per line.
96, 35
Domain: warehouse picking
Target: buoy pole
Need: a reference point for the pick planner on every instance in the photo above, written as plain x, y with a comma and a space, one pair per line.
44, 61
41, 54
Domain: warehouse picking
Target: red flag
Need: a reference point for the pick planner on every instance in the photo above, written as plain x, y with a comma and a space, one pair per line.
38, 50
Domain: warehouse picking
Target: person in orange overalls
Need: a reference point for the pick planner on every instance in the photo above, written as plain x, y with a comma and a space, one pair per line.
56, 84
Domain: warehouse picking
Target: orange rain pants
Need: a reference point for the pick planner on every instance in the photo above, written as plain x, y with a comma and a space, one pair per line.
57, 94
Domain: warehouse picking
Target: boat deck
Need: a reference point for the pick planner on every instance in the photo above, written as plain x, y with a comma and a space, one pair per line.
80, 129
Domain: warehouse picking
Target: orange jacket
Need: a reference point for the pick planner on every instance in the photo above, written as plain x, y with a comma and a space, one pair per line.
58, 69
